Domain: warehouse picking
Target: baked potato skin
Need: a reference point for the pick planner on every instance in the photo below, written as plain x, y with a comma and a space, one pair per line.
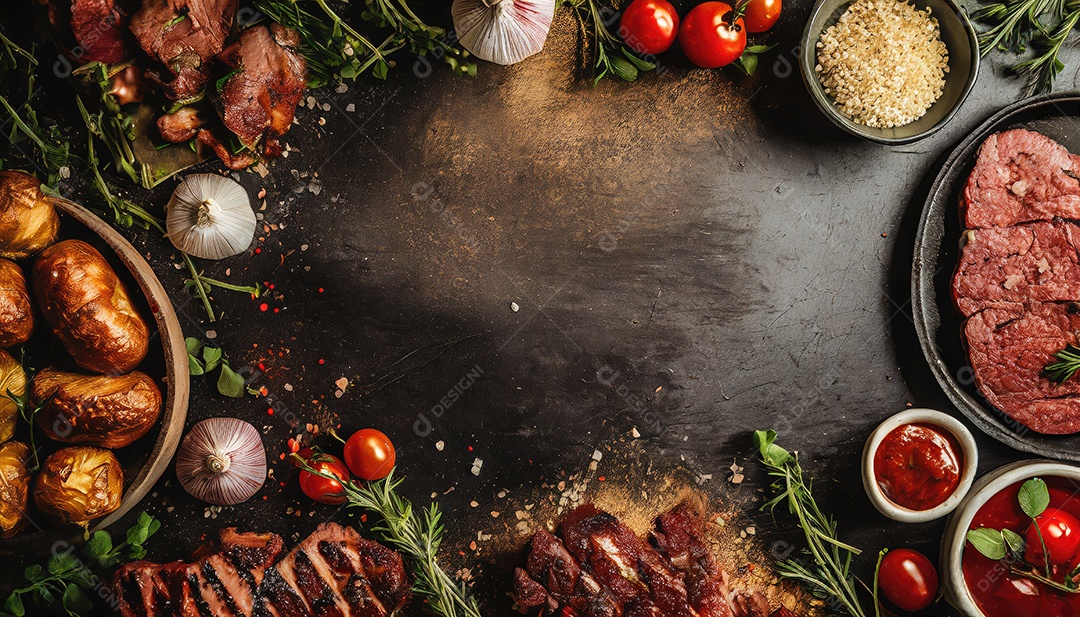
89, 309
14, 487
28, 222
78, 484
97, 410
16, 312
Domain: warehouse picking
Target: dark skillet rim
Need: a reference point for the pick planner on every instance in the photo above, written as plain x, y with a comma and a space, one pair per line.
924, 295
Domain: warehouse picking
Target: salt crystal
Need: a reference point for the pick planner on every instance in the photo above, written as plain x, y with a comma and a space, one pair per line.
597, 455
350, 108
439, 445
514, 307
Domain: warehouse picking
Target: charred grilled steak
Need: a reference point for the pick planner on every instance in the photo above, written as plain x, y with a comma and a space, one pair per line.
91, 30
263, 85
601, 569
334, 572
183, 35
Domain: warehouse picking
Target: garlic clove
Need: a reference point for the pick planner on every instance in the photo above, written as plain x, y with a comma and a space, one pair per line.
210, 217
222, 461
503, 31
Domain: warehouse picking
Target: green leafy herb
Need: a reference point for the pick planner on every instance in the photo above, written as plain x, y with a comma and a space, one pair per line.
417, 535
52, 150
748, 61
1034, 497
203, 359
66, 577
111, 125
830, 575
27, 410
1044, 25
1068, 362
989, 542
420, 38
613, 57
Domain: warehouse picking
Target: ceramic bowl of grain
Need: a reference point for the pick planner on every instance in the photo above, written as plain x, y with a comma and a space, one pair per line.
889, 98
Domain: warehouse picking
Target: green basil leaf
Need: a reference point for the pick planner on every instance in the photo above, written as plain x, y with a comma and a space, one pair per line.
1034, 497
772, 454
75, 601
987, 541
14, 605
193, 345
1013, 540
195, 366
747, 63
211, 357
229, 383
99, 545
623, 68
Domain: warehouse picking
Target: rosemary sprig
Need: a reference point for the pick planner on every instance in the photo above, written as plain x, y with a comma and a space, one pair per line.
417, 536
1068, 362
613, 57
830, 575
1044, 25
409, 30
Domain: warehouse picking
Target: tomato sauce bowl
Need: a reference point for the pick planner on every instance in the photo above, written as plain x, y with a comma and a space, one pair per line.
981, 587
918, 465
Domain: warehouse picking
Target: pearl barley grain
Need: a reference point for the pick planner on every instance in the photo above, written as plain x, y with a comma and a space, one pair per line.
883, 62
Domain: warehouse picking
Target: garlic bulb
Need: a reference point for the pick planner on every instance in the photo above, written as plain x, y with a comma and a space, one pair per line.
503, 31
210, 217
222, 461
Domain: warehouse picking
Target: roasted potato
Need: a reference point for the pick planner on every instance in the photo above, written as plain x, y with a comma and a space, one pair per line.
13, 378
16, 312
97, 410
14, 487
28, 222
78, 484
89, 309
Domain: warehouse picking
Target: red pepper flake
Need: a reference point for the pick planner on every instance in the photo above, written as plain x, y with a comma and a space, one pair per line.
276, 310
258, 250
261, 367
321, 361
269, 411
320, 290
470, 448
263, 307
363, 518
601, 478
263, 391
282, 455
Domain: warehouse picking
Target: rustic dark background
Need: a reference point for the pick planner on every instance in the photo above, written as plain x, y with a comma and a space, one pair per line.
693, 257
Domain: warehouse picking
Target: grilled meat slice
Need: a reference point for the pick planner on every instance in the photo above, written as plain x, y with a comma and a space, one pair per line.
782, 612
680, 535
183, 35
335, 572
91, 30
241, 160
181, 125
140, 589
265, 83
630, 569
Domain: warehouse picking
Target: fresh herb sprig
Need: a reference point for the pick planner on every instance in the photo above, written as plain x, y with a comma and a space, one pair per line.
1014, 25
999, 544
204, 359
67, 578
52, 151
1067, 364
27, 410
420, 38
612, 55
417, 536
830, 575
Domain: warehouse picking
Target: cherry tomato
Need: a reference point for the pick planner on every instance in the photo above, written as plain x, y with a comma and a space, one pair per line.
324, 490
908, 579
370, 454
649, 26
709, 39
760, 15
1061, 532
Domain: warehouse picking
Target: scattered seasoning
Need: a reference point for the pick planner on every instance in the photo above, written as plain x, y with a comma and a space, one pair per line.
883, 62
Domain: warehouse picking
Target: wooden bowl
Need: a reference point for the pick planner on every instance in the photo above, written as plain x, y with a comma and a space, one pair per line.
146, 460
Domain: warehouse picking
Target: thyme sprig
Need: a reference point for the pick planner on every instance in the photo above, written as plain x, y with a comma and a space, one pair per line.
830, 574
612, 55
417, 535
420, 38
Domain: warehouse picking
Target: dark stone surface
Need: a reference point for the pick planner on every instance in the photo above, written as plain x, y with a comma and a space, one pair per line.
697, 255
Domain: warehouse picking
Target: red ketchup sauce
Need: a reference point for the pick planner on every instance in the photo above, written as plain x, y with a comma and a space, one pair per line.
918, 466
995, 591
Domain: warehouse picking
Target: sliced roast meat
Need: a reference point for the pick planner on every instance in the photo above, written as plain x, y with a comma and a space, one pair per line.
335, 572
263, 85
183, 35
1010, 346
1032, 262
1021, 176
240, 160
181, 125
97, 29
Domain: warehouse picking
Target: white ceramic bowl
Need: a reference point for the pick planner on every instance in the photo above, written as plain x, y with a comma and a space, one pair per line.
955, 538
919, 416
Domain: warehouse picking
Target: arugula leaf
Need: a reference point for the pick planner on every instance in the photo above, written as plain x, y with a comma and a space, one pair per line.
989, 542
1034, 497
